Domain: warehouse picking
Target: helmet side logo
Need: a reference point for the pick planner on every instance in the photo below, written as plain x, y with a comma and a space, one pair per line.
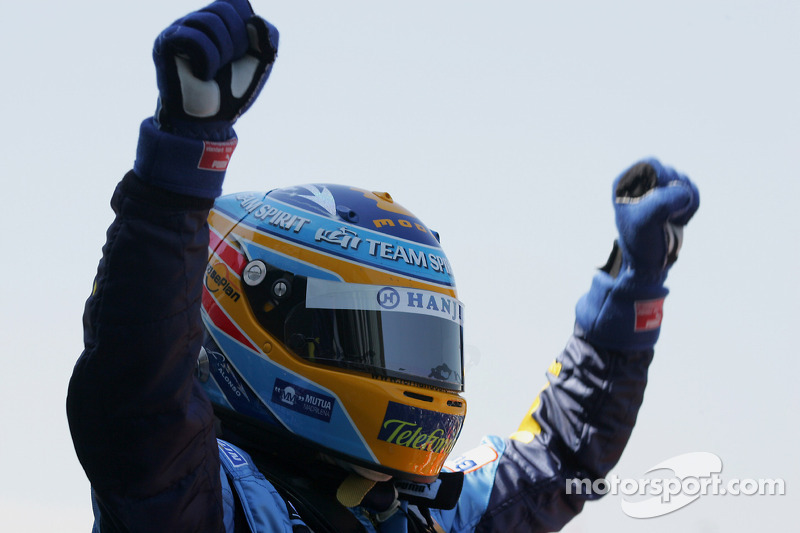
344, 237
420, 429
302, 400
216, 282
290, 218
321, 197
388, 298
288, 395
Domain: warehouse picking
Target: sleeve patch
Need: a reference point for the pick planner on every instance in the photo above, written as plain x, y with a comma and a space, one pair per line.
234, 458
473, 459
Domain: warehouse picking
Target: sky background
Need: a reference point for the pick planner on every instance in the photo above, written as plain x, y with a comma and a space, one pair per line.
501, 125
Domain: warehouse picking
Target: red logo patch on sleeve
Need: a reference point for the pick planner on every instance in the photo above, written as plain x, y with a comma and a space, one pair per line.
217, 155
649, 314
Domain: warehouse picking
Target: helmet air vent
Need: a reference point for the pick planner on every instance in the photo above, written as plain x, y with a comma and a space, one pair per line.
385, 196
347, 214
417, 396
254, 272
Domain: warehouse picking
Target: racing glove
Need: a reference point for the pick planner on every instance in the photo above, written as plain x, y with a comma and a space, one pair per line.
210, 67
624, 307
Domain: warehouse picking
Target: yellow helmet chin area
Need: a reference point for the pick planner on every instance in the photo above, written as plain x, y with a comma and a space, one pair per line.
360, 355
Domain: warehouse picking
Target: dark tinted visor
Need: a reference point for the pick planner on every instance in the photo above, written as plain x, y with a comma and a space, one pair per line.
393, 331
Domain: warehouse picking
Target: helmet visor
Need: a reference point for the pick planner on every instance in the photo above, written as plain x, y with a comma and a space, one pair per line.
398, 332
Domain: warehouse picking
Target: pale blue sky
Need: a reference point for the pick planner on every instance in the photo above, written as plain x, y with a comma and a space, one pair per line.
500, 124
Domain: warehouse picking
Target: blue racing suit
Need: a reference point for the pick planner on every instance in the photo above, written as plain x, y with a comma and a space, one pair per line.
144, 430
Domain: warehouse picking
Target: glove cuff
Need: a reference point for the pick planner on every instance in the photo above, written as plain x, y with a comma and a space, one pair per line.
179, 164
621, 313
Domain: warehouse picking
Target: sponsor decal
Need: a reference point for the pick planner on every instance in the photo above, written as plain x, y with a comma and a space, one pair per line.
649, 314
388, 298
400, 222
396, 252
420, 429
235, 458
273, 216
302, 400
324, 294
473, 459
216, 282
216, 155
390, 251
433, 303
344, 237
223, 373
356, 243
421, 490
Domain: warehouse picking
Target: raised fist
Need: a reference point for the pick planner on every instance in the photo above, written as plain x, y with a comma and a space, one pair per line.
211, 66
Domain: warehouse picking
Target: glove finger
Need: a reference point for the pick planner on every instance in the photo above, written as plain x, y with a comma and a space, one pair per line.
682, 216
664, 175
642, 177
242, 7
249, 73
668, 203
216, 30
635, 182
645, 183
263, 38
234, 18
669, 177
195, 45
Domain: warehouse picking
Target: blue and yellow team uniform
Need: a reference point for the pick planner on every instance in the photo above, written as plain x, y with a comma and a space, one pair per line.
144, 429
241, 363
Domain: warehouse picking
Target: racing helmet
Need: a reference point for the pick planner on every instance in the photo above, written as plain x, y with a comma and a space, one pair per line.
332, 317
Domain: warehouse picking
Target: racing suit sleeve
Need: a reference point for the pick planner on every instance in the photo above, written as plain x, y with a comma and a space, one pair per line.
576, 428
141, 425
580, 422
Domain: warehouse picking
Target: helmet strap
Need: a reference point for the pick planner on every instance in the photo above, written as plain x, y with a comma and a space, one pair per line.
353, 489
